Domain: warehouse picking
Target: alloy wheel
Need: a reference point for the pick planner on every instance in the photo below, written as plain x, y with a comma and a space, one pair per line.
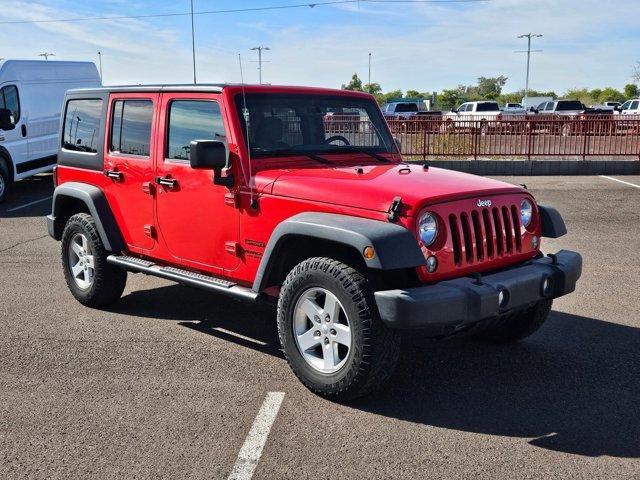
81, 261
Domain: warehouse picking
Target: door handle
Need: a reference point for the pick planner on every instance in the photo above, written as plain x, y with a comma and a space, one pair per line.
23, 129
115, 175
167, 182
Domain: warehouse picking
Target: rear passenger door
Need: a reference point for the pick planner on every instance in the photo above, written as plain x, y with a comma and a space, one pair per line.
128, 162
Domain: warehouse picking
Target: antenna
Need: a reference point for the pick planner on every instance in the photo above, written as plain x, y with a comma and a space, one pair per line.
245, 113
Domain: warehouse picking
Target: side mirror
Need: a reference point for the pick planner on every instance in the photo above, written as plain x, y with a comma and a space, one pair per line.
208, 154
7, 121
454, 110
211, 155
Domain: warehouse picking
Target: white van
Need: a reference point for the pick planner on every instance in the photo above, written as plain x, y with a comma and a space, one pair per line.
31, 96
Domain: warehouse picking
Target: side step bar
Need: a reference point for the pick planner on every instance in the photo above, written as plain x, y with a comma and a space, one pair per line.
198, 280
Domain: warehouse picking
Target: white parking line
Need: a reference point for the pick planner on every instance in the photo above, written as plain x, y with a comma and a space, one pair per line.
621, 181
256, 439
28, 204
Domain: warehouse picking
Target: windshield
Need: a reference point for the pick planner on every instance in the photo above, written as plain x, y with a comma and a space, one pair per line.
289, 124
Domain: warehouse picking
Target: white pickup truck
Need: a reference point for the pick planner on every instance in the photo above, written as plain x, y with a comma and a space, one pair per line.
471, 116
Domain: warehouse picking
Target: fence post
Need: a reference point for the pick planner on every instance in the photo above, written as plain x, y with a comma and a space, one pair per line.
529, 134
476, 130
583, 127
424, 142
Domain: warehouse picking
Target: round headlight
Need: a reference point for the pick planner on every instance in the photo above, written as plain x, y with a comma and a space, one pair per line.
428, 228
526, 212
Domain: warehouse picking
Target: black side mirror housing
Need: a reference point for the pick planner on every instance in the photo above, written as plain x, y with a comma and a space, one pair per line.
211, 155
6, 119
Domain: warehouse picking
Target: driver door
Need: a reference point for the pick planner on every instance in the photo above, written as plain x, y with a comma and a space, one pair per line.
195, 223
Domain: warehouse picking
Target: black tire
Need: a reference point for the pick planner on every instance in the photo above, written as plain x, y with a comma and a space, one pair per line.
108, 281
517, 325
5, 179
374, 349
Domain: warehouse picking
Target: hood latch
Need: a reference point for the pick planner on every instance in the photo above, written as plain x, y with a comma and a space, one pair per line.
395, 209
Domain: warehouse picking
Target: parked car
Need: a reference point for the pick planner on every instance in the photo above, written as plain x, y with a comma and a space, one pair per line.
630, 107
400, 110
31, 94
206, 185
533, 102
472, 116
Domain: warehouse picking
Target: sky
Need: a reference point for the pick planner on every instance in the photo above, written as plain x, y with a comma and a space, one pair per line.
420, 46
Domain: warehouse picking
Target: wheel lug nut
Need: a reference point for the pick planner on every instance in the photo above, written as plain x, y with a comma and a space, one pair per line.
333, 331
327, 318
316, 319
326, 341
316, 333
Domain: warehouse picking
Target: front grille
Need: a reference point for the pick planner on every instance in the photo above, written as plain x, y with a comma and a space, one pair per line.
485, 234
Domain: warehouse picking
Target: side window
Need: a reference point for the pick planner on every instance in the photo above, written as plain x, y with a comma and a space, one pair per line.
81, 127
634, 105
549, 107
131, 127
9, 99
462, 108
625, 105
192, 120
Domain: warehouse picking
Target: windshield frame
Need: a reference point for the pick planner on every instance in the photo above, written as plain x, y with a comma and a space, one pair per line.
376, 119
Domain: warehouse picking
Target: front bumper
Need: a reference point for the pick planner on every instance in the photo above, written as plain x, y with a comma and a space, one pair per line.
453, 305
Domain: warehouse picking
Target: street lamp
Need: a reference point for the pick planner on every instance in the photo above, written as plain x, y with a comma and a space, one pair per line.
260, 49
528, 36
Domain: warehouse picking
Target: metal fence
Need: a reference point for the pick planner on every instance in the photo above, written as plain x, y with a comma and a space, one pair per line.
516, 137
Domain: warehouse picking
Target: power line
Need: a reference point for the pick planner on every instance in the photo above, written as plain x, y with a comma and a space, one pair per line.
231, 10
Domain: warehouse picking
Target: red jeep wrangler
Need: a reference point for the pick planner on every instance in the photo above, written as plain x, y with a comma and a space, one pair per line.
245, 191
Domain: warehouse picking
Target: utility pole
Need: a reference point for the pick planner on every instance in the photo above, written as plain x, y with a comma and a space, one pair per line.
100, 63
260, 49
369, 72
528, 36
46, 55
193, 45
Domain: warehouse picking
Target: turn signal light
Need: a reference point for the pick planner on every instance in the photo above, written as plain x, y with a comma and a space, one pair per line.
368, 253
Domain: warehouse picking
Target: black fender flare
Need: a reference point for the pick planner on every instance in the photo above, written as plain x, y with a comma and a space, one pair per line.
4, 154
552, 224
98, 207
395, 247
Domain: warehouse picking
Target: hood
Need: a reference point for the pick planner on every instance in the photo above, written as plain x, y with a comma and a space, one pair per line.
377, 185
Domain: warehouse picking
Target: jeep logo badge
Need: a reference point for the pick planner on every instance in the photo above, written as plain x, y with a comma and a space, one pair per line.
484, 203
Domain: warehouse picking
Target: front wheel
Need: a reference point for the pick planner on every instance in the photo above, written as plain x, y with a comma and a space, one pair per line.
5, 180
331, 333
92, 281
516, 325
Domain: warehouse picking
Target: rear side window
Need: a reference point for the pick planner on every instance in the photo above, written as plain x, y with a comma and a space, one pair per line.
131, 127
570, 105
192, 120
634, 105
9, 100
488, 107
81, 130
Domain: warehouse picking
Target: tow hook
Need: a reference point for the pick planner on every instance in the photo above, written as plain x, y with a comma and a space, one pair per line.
394, 209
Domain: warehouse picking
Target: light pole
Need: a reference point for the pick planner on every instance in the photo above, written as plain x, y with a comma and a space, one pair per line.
369, 72
260, 49
46, 55
100, 63
193, 45
528, 50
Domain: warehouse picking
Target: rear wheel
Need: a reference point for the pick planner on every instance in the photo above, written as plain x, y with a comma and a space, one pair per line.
517, 325
331, 333
92, 281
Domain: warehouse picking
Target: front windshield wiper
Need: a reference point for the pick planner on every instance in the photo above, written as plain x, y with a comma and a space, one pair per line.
355, 149
289, 153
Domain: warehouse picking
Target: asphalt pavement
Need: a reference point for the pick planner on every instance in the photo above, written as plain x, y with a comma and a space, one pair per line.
168, 383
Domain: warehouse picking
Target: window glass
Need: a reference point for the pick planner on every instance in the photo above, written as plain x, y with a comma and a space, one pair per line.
488, 107
625, 105
131, 127
570, 105
301, 124
549, 107
192, 120
9, 100
407, 107
82, 125
634, 105
462, 108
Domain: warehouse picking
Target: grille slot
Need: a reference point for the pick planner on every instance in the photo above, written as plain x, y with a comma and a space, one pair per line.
484, 234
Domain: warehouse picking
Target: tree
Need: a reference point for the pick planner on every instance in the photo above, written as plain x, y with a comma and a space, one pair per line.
354, 84
630, 91
489, 88
448, 99
417, 94
385, 97
374, 88
611, 94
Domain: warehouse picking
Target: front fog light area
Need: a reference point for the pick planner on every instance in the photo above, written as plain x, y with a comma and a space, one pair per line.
503, 298
534, 242
432, 264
